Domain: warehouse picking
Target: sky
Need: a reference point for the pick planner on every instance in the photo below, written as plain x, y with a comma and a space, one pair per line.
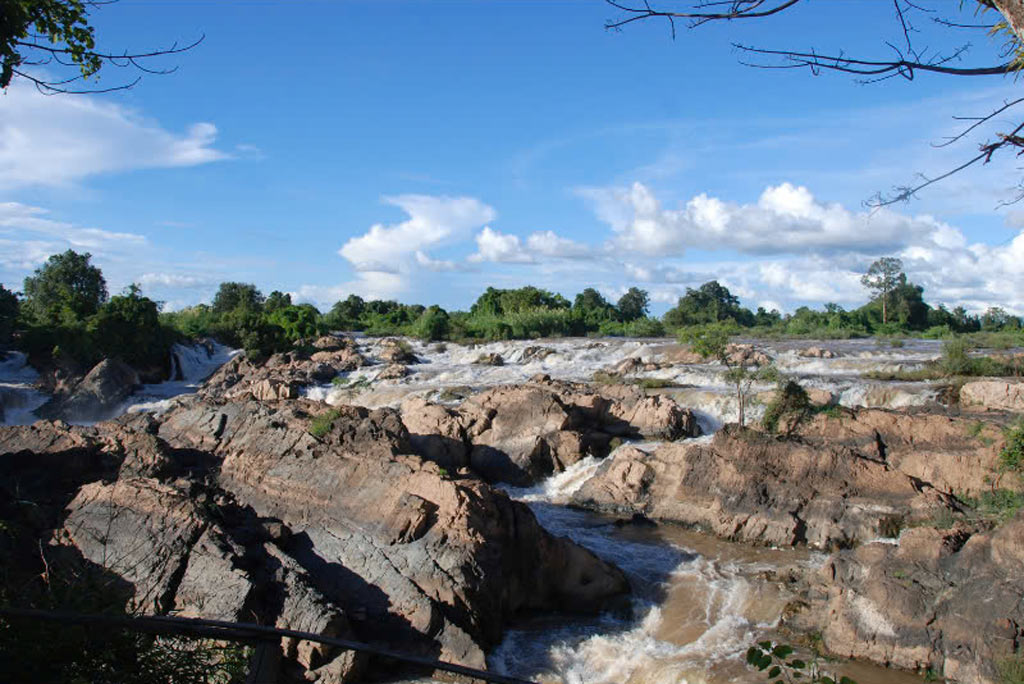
425, 150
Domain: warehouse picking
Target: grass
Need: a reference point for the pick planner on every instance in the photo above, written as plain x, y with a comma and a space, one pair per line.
995, 506
322, 424
1011, 670
1011, 458
606, 378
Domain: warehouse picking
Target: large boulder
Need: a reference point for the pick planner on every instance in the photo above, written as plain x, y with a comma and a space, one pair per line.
945, 601
522, 433
749, 486
448, 560
96, 396
1006, 395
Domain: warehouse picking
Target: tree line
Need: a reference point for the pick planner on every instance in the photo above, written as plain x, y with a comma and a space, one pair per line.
65, 316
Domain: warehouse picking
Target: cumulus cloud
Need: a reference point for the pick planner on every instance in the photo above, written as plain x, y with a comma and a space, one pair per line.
500, 248
785, 219
60, 140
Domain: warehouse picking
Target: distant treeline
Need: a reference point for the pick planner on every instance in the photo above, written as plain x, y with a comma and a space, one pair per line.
64, 314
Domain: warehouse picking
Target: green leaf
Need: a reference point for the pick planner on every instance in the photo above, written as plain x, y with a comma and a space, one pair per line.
827, 680
846, 680
783, 651
797, 664
774, 672
765, 645
753, 655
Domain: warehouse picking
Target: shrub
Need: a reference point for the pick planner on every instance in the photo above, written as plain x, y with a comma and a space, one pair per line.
1011, 458
790, 402
322, 424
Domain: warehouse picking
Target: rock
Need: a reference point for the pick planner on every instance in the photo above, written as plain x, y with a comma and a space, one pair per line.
341, 360
331, 343
817, 353
676, 354
489, 359
395, 371
1007, 395
437, 433
96, 396
274, 390
748, 486
747, 354
531, 354
520, 433
396, 351
942, 600
138, 529
816, 395
449, 560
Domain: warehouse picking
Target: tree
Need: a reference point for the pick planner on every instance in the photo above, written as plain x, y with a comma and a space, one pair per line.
902, 58
634, 304
712, 342
711, 303
592, 307
8, 314
277, 300
57, 33
882, 277
67, 289
232, 296
128, 326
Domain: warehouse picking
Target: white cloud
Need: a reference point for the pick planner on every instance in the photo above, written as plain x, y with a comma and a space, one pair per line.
785, 219
498, 247
547, 243
185, 281
432, 221
60, 140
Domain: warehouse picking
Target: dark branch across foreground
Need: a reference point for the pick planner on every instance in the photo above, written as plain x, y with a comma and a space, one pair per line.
241, 631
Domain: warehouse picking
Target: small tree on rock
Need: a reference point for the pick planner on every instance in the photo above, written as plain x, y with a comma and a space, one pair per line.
712, 342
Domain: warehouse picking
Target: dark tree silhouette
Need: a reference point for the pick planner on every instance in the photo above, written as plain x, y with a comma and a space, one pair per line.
56, 34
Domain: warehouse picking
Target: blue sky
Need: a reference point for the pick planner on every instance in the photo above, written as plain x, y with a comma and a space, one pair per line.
425, 150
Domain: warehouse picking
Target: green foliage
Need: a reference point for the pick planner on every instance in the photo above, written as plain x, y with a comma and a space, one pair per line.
63, 22
322, 424
710, 341
65, 290
277, 300
1011, 670
634, 305
297, 322
128, 326
644, 327
995, 506
432, 325
790, 402
1011, 458
710, 303
9, 310
779, 665
233, 296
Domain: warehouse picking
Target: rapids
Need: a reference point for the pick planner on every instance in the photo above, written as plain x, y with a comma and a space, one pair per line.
447, 371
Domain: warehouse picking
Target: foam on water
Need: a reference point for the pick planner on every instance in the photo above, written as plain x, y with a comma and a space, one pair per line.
191, 364
18, 395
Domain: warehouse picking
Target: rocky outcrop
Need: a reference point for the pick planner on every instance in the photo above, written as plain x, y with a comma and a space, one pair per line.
233, 510
943, 600
521, 433
1006, 395
489, 359
839, 483
391, 350
817, 353
532, 353
395, 371
95, 396
281, 376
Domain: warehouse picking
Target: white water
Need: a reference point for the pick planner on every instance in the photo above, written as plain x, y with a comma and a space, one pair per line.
18, 395
694, 612
700, 386
192, 365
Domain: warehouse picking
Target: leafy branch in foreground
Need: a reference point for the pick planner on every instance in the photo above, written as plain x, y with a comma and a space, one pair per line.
776, 661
